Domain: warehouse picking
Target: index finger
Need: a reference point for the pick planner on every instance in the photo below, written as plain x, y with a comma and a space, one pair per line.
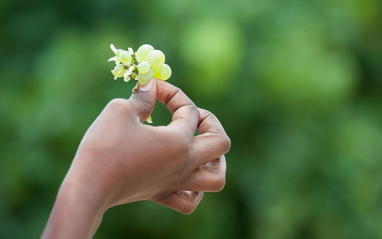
212, 141
185, 113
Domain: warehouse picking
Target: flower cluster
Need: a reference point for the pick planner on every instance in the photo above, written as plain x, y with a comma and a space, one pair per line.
141, 65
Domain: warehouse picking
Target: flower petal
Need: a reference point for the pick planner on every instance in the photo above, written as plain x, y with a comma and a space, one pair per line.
112, 47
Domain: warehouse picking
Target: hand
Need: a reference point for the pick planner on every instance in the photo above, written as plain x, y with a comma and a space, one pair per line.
121, 160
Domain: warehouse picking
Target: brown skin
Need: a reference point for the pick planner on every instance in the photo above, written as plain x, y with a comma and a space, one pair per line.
120, 160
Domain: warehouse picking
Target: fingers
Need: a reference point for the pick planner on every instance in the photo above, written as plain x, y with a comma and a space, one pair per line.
182, 201
208, 178
143, 101
185, 113
212, 142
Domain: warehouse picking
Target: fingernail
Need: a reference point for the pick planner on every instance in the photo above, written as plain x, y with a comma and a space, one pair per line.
147, 87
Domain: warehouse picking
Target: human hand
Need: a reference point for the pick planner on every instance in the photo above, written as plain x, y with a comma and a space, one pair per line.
121, 160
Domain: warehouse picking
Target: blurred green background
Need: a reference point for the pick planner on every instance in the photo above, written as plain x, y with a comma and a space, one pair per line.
296, 84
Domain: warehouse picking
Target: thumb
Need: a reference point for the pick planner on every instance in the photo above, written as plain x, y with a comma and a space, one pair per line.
143, 101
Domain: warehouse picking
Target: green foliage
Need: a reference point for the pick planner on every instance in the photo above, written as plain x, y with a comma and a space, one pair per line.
296, 84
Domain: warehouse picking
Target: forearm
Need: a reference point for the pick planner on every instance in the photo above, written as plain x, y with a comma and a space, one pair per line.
76, 213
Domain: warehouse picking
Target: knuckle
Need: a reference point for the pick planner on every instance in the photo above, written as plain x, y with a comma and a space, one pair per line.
196, 111
118, 104
188, 209
225, 143
208, 114
184, 144
204, 113
219, 184
176, 91
185, 149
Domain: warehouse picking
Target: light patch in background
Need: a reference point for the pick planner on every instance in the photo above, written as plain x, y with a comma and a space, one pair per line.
212, 50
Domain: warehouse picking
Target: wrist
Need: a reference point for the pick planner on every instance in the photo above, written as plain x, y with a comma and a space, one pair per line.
77, 212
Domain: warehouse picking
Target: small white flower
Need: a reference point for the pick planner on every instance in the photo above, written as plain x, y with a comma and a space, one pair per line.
125, 57
118, 71
131, 51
